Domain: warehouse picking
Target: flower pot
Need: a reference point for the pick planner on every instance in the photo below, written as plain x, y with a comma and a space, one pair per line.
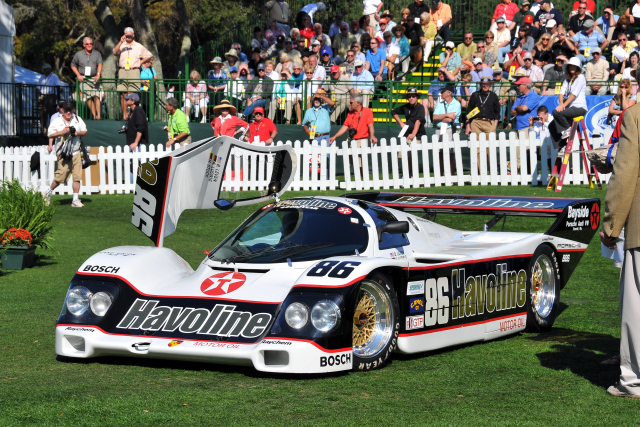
18, 257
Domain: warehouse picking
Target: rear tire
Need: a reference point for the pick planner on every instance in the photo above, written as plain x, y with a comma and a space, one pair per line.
375, 323
543, 289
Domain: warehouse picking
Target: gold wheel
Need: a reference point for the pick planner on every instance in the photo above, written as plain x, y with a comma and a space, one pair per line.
372, 319
543, 286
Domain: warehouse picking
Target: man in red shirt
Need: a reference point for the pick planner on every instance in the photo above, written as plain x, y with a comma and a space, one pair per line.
359, 123
262, 128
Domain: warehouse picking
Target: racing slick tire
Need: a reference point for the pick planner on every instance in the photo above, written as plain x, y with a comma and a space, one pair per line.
543, 289
376, 323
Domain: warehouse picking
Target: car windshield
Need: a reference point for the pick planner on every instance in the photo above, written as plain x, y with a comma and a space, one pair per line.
299, 230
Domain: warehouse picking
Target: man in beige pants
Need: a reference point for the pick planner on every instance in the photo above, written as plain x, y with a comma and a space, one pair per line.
623, 207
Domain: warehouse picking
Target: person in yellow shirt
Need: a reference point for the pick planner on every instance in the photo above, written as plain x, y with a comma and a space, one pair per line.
430, 31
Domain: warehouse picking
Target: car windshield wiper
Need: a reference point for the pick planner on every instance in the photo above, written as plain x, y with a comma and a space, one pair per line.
285, 245
306, 248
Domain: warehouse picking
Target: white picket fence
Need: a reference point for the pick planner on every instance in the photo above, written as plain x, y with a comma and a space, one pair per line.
244, 171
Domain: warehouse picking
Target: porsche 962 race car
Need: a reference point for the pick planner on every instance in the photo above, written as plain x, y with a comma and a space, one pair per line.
317, 284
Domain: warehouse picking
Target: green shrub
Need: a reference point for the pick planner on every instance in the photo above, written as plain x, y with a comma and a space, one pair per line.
20, 208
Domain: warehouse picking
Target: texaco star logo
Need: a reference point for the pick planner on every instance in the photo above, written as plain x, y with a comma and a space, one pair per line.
344, 211
595, 216
267, 206
222, 283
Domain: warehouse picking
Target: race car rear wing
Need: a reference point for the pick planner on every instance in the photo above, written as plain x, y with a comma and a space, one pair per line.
572, 215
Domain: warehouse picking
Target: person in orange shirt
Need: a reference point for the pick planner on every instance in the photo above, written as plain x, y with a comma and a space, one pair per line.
441, 15
227, 122
359, 123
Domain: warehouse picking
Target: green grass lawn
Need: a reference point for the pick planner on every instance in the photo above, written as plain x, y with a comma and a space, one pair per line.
544, 379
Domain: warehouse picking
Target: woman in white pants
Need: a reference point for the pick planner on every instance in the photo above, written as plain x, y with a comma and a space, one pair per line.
196, 96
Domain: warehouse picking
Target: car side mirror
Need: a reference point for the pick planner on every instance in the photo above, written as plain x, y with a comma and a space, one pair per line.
224, 204
393, 227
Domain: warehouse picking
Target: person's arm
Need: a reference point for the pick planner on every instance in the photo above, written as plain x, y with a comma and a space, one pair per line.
382, 64
116, 49
99, 73
372, 135
604, 44
612, 110
338, 134
398, 120
447, 57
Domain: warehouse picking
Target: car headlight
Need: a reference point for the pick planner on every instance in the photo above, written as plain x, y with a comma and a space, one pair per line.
78, 300
297, 315
100, 303
325, 315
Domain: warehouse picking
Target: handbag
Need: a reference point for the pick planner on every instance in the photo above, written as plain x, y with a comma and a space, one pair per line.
86, 160
602, 158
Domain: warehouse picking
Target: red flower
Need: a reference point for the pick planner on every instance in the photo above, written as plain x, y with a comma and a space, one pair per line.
16, 237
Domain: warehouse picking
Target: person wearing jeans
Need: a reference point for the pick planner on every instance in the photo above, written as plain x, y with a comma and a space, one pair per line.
572, 101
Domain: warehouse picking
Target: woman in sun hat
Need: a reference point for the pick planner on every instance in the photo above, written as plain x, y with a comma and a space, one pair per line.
233, 60
216, 81
572, 101
226, 122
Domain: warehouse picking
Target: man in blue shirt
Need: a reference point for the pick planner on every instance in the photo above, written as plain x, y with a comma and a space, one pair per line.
480, 71
586, 40
446, 115
362, 82
526, 106
377, 60
608, 21
317, 120
451, 60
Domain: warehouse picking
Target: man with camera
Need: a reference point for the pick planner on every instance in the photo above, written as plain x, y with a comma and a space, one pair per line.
67, 130
137, 129
132, 55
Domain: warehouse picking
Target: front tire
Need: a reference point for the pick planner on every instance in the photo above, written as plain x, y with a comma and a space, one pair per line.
543, 290
375, 323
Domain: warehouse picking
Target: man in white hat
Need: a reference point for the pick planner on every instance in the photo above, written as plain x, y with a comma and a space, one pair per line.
48, 93
452, 61
362, 82
480, 70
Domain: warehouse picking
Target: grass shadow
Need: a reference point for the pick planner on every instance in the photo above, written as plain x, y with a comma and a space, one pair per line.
247, 371
581, 353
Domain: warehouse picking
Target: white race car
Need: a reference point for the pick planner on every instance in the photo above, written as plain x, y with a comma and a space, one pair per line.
317, 284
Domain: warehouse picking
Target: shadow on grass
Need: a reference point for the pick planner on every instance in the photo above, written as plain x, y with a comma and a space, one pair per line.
44, 260
581, 353
248, 371
68, 201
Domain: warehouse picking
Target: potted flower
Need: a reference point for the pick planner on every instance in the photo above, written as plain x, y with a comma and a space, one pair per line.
25, 223
18, 250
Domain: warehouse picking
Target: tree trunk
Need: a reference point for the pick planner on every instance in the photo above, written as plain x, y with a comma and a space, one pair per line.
105, 17
186, 34
144, 32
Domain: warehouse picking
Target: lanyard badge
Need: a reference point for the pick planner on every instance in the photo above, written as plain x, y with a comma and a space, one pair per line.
127, 64
313, 132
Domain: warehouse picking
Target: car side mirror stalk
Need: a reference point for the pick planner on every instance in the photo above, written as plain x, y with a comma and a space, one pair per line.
224, 204
393, 227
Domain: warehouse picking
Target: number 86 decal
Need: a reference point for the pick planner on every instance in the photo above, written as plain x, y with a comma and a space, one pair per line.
335, 269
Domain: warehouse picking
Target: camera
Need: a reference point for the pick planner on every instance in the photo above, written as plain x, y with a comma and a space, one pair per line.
352, 132
536, 119
72, 131
123, 129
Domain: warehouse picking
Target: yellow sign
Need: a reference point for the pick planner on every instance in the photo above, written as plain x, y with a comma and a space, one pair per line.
473, 113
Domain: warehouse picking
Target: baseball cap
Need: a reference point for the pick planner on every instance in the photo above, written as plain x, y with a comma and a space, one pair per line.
68, 107
315, 43
258, 110
525, 3
551, 23
447, 88
497, 72
596, 50
335, 69
528, 19
588, 23
485, 78
384, 20
450, 45
45, 66
501, 19
358, 63
233, 69
261, 67
133, 96
412, 91
545, 1
477, 61
527, 55
344, 24
325, 51
280, 38
288, 40
523, 80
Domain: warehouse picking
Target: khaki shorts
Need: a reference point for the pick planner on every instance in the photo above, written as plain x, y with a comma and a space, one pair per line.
185, 141
69, 167
129, 86
90, 89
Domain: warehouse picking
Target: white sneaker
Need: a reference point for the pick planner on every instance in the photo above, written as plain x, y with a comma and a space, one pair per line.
565, 133
77, 204
46, 195
204, 120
